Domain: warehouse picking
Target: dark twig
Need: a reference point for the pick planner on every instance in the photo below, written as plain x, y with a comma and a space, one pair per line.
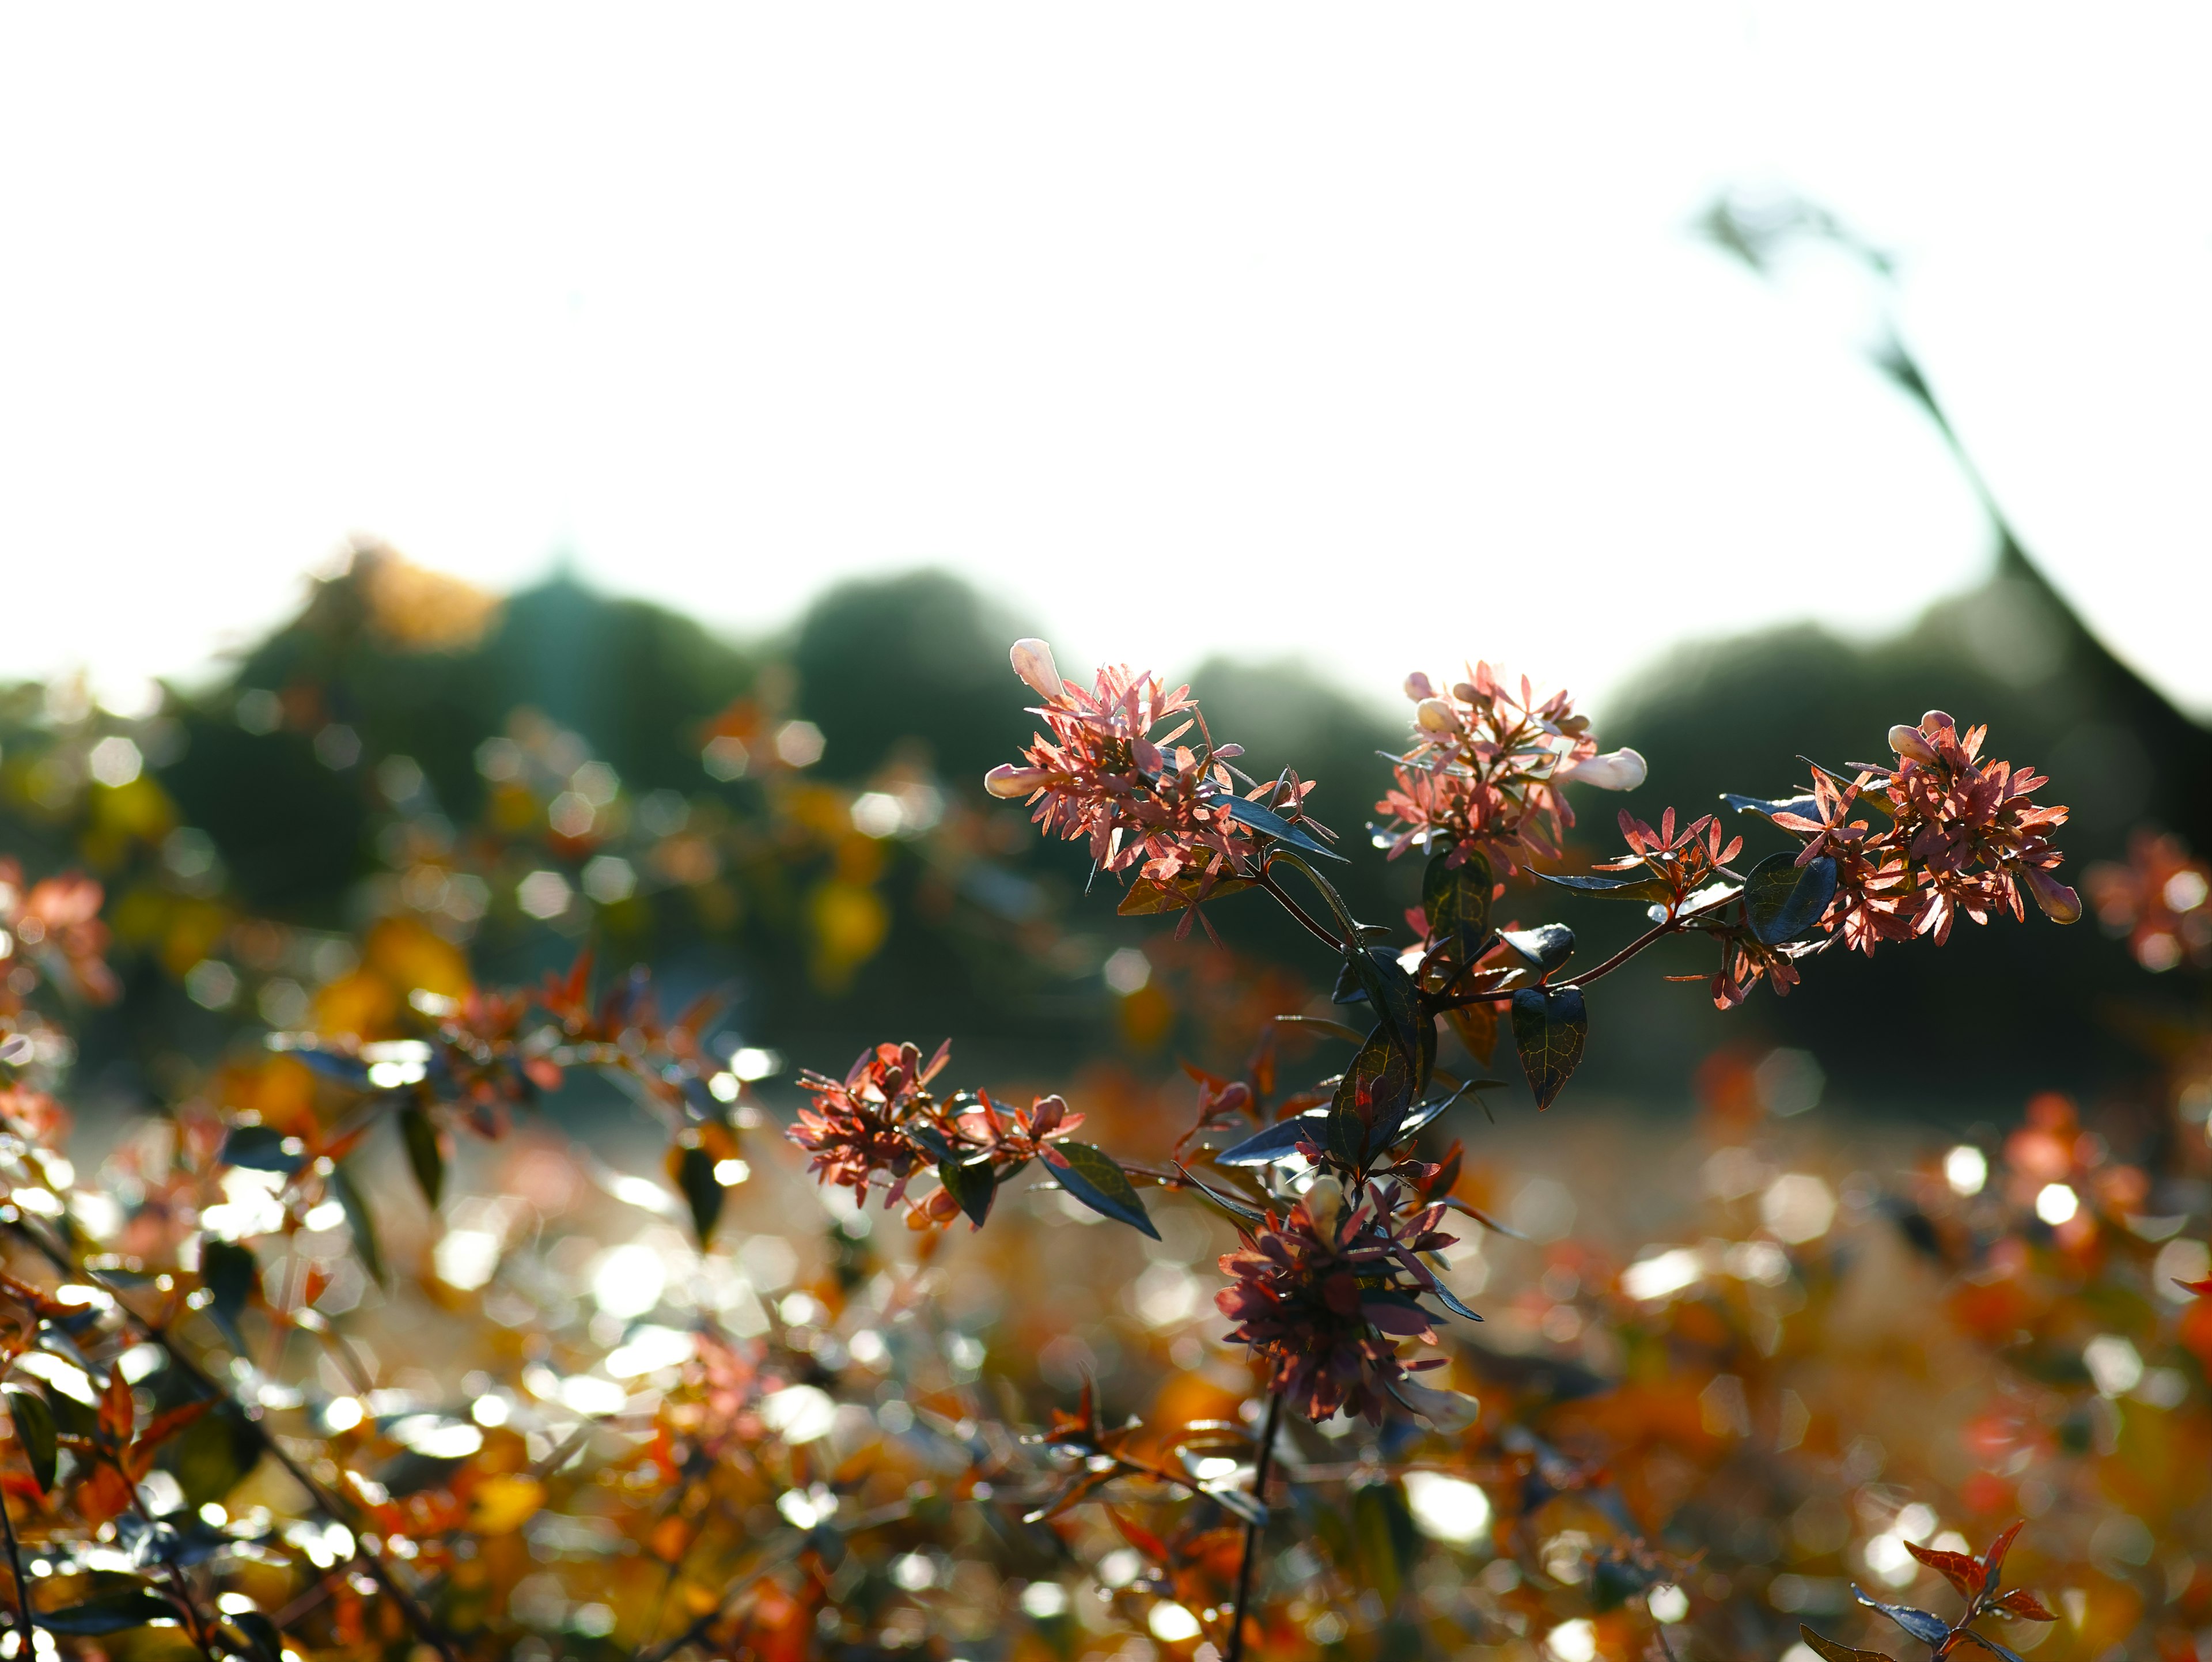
1235, 1652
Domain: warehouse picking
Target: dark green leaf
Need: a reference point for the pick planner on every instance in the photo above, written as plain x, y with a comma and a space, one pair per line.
264, 1642
1548, 1026
695, 1176
230, 1272
213, 1455
34, 1429
1836, 1652
1457, 901
1146, 898
1371, 1100
363, 1224
1093, 1178
1548, 946
1277, 1140
1804, 806
1645, 888
973, 1185
423, 1154
347, 1070
1273, 825
261, 1147
930, 1141
1782, 900
1392, 992
1929, 1629
116, 1613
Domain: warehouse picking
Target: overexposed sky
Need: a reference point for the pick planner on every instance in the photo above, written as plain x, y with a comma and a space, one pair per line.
1370, 336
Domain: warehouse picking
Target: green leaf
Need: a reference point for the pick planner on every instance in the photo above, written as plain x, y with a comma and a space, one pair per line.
261, 1148
363, 1224
264, 1641
35, 1430
213, 1455
695, 1176
116, 1613
1146, 898
1457, 901
1835, 1653
1266, 820
1646, 888
975, 1185
1093, 1178
1548, 946
231, 1272
1782, 900
1803, 807
1391, 991
424, 1153
1371, 1100
1548, 1026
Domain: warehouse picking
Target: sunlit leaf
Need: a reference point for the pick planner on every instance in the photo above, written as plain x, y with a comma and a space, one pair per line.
1805, 806
1387, 987
1929, 1629
1548, 946
1277, 1140
1147, 897
261, 1147
1094, 1179
1273, 825
1645, 888
1549, 1024
1782, 900
1371, 1100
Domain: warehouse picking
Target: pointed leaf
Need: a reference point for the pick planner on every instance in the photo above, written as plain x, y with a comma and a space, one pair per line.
362, 1223
1961, 1569
1549, 1024
2022, 1603
1645, 888
1371, 1100
1093, 1178
1278, 1140
261, 1148
973, 1185
1991, 1645
1927, 1629
1548, 946
1782, 900
1452, 1301
1397, 1001
116, 1613
423, 1154
1805, 806
1457, 901
1271, 824
34, 1429
695, 1176
1993, 1563
1834, 1653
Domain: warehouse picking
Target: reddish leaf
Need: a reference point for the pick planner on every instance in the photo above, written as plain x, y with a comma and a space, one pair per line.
1836, 1652
1993, 1561
1962, 1570
2022, 1603
1138, 1537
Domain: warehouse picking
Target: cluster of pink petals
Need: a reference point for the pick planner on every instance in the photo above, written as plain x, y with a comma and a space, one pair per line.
1323, 1295
57, 925
1487, 766
852, 1127
1963, 837
1102, 773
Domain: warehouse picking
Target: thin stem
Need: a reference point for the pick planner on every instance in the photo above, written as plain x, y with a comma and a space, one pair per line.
1343, 920
1284, 900
22, 1585
1260, 1470
1656, 933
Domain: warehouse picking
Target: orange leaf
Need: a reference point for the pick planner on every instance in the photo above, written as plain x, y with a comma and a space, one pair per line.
2020, 1602
1962, 1570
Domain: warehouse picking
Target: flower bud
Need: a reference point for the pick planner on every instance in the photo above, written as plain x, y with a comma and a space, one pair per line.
1010, 783
1032, 661
1418, 686
2060, 904
1046, 1116
1325, 1205
1911, 743
1436, 715
1614, 770
1936, 718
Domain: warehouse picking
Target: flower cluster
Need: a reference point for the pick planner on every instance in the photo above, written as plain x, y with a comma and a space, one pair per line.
882, 1122
1140, 799
1965, 836
1324, 1291
1486, 768
51, 930
2157, 900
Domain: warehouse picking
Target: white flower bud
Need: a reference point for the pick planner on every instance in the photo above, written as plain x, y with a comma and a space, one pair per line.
1325, 1205
1418, 686
1010, 783
1032, 660
1911, 744
1614, 770
1436, 715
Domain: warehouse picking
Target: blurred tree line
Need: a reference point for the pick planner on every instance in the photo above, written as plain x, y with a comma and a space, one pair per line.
857, 884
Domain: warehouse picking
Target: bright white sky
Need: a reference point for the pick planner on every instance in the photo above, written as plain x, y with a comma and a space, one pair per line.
1371, 335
